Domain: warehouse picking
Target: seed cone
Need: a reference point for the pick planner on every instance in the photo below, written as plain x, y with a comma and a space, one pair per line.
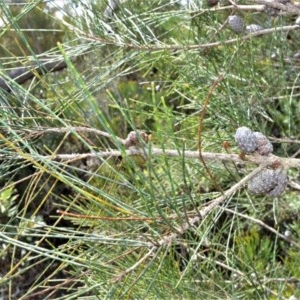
269, 182
282, 181
245, 139
236, 23
134, 138
263, 183
264, 147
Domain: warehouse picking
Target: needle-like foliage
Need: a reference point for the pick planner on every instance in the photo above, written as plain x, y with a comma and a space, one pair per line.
120, 174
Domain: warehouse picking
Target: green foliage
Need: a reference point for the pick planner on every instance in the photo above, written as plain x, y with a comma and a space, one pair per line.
7, 199
122, 226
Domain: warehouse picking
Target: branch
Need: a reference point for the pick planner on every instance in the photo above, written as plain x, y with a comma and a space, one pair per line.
136, 144
210, 156
258, 8
284, 9
44, 130
148, 47
168, 239
241, 274
262, 224
133, 267
22, 74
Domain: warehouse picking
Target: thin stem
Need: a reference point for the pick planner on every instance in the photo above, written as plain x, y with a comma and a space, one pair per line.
208, 209
261, 223
179, 47
210, 156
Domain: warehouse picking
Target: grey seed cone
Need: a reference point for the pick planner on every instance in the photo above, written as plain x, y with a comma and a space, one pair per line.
282, 181
269, 182
245, 139
263, 183
264, 146
236, 23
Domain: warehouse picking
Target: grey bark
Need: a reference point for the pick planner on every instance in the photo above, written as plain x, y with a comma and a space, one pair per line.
22, 74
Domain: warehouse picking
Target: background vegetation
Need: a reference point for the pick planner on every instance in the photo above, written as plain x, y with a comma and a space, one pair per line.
79, 221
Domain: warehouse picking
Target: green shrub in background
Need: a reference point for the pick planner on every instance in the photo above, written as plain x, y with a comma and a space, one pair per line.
90, 210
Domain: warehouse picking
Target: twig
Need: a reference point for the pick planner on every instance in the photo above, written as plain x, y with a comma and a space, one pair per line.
285, 140
237, 272
178, 47
22, 74
217, 157
41, 131
261, 223
35, 132
200, 129
207, 209
258, 8
284, 9
294, 185
133, 267
117, 219
168, 239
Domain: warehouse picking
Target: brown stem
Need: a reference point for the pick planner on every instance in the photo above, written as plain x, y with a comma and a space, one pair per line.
21, 74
